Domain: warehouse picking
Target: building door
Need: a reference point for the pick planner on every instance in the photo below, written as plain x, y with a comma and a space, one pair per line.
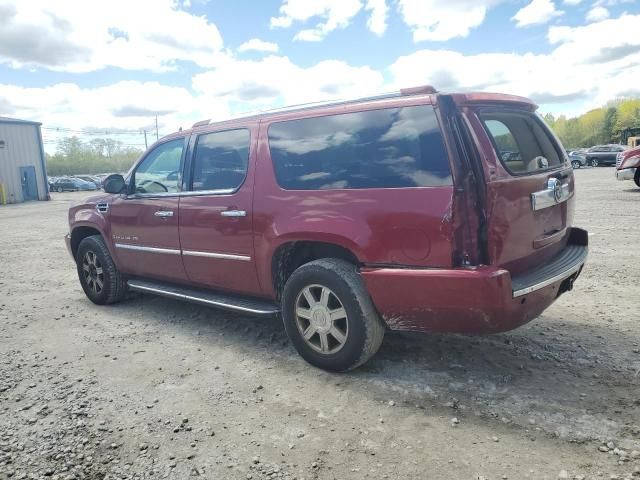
29, 183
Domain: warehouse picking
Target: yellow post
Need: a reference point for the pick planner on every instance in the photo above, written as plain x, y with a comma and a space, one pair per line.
3, 194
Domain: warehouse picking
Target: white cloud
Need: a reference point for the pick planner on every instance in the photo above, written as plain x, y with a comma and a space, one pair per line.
441, 20
377, 22
562, 77
92, 34
257, 45
276, 80
572, 2
597, 13
333, 13
536, 12
127, 105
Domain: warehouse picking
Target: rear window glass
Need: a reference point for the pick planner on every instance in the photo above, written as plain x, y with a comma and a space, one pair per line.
521, 141
220, 160
387, 148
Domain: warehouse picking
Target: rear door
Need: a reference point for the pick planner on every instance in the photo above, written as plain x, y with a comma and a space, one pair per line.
216, 215
529, 185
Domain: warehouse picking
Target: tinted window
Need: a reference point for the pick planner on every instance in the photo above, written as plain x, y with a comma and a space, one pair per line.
521, 141
220, 161
395, 147
159, 172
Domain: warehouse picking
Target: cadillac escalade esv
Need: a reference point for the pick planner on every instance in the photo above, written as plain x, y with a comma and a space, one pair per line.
399, 212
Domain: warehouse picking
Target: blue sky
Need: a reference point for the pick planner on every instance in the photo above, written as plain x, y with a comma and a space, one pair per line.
115, 65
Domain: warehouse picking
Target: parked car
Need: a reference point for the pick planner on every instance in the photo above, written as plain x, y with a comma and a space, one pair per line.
90, 178
65, 184
603, 154
628, 165
391, 212
577, 159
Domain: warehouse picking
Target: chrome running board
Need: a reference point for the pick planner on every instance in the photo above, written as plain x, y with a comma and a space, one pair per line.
224, 301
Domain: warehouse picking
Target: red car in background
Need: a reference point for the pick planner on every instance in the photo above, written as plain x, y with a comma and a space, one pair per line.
413, 211
628, 165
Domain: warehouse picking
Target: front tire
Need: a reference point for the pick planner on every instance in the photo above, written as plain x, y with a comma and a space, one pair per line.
576, 164
100, 279
60, 190
636, 179
329, 316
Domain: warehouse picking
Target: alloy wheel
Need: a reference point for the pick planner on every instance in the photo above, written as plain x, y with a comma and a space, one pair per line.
93, 272
321, 319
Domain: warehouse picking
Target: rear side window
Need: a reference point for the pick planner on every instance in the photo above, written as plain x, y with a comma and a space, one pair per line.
387, 148
220, 160
521, 141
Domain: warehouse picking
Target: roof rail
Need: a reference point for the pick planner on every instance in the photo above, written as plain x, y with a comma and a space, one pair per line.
421, 90
201, 123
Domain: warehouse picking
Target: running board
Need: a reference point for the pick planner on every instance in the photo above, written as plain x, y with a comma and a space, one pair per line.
250, 306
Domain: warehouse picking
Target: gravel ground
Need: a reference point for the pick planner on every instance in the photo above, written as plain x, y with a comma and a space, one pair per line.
154, 388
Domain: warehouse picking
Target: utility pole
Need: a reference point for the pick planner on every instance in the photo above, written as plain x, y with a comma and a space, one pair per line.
145, 140
157, 128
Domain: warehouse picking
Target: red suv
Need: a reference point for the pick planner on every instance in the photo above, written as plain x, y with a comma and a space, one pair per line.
414, 211
628, 165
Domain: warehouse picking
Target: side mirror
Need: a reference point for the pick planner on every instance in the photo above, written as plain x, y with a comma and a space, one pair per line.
114, 183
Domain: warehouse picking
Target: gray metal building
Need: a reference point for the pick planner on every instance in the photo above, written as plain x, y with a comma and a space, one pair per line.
23, 173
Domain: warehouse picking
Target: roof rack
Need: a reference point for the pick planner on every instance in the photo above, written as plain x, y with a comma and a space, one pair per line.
405, 92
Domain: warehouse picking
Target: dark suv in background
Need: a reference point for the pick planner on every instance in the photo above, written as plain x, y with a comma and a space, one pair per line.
603, 154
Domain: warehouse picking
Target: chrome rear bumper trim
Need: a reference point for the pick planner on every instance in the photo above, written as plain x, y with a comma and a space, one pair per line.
567, 263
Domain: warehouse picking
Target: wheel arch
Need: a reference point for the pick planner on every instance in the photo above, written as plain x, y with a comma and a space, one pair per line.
292, 254
80, 232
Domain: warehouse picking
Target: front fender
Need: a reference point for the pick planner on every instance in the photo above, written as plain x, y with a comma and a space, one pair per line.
86, 215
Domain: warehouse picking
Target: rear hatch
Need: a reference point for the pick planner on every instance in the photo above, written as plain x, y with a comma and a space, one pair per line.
529, 184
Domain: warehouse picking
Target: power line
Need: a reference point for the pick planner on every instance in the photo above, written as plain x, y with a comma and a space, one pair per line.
94, 132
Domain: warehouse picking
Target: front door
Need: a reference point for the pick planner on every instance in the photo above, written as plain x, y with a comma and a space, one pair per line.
216, 230
29, 183
144, 223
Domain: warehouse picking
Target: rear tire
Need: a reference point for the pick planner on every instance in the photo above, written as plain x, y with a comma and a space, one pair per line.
594, 162
329, 316
100, 279
576, 164
60, 190
636, 179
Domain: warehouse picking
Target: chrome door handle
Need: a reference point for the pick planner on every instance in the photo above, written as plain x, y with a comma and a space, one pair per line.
164, 213
234, 213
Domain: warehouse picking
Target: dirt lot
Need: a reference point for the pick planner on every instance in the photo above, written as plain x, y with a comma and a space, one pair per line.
154, 388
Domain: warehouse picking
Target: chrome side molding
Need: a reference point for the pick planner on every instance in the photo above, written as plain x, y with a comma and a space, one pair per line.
190, 253
139, 248
226, 256
555, 193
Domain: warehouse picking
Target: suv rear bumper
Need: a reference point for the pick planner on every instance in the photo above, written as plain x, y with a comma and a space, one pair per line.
484, 299
626, 174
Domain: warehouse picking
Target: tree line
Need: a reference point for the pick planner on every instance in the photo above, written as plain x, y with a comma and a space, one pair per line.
100, 155
599, 126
